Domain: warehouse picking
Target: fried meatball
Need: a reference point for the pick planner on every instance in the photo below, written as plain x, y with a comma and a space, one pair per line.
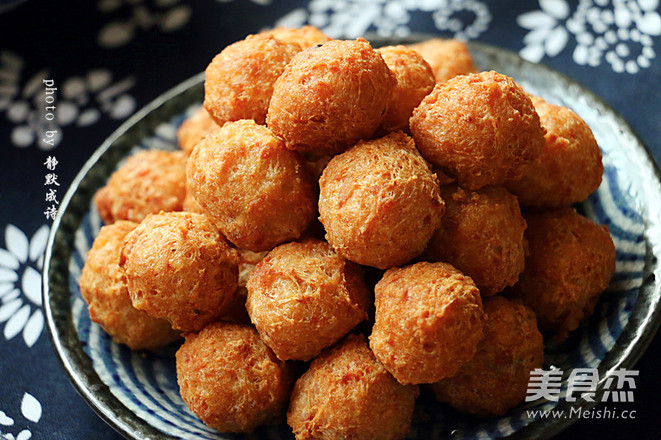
104, 288
303, 297
231, 380
179, 267
330, 97
305, 36
194, 128
496, 379
379, 202
569, 168
481, 129
239, 80
257, 191
236, 311
147, 183
481, 234
428, 322
347, 394
414, 81
571, 261
447, 58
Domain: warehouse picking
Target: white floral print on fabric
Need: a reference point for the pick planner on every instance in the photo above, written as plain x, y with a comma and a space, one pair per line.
20, 284
79, 101
618, 31
464, 19
31, 411
166, 15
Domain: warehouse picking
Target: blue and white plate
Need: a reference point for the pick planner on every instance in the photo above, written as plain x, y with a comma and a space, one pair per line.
137, 392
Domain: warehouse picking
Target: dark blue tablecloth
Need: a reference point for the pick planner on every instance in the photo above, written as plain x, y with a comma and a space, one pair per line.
108, 58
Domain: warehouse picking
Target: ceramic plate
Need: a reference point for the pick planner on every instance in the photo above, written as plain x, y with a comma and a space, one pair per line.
137, 392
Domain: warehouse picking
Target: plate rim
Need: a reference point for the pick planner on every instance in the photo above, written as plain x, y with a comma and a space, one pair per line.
88, 384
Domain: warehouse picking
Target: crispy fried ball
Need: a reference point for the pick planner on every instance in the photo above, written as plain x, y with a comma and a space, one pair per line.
414, 81
496, 379
569, 168
191, 204
379, 202
447, 58
428, 322
481, 129
571, 262
179, 267
481, 234
194, 128
231, 380
147, 183
236, 311
347, 394
305, 36
330, 97
303, 297
239, 80
103, 285
258, 192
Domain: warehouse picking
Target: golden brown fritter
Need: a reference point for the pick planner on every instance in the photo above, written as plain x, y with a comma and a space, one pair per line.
239, 80
231, 380
257, 191
496, 379
569, 168
481, 234
428, 322
379, 202
305, 36
414, 81
236, 311
303, 297
179, 267
330, 97
147, 183
481, 129
447, 58
103, 285
194, 128
571, 261
347, 394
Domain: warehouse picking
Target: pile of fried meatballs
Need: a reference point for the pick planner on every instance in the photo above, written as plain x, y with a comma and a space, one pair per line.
314, 162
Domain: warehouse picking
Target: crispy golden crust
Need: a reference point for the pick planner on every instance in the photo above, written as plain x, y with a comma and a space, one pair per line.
305, 36
303, 297
571, 262
428, 322
330, 97
496, 379
194, 128
231, 380
347, 394
103, 285
447, 58
569, 168
148, 183
481, 234
257, 191
414, 81
179, 267
379, 202
481, 129
239, 80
